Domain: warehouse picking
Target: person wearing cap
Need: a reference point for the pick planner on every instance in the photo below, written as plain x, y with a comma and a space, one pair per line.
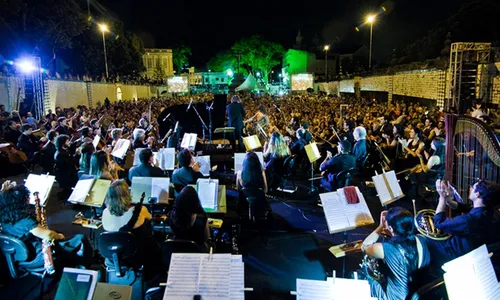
343, 161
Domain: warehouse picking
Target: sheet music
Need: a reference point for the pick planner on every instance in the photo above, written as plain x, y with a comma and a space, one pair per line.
312, 152
334, 212
140, 185
98, 192
251, 142
189, 141
357, 214
347, 289
159, 188
340, 215
314, 290
166, 158
237, 283
96, 140
382, 190
204, 164
239, 157
199, 274
207, 192
81, 190
481, 282
137, 160
121, 148
41, 184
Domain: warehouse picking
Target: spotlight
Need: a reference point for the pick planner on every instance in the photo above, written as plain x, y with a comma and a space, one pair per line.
25, 66
230, 73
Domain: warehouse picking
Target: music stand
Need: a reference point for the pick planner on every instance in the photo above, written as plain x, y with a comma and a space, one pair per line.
204, 127
313, 155
223, 130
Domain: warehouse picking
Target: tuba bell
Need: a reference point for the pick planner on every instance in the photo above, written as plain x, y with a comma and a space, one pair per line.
424, 221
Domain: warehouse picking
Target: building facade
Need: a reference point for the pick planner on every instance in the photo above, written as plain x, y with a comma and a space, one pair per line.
159, 63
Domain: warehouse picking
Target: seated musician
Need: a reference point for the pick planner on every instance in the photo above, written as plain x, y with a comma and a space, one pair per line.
147, 167
188, 220
62, 126
343, 161
27, 142
65, 167
85, 136
261, 118
252, 176
116, 134
47, 153
275, 152
139, 136
19, 220
12, 132
404, 254
86, 151
188, 171
121, 215
101, 167
413, 147
360, 149
468, 231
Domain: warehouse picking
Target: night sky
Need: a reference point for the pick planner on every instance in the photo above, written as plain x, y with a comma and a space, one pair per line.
212, 26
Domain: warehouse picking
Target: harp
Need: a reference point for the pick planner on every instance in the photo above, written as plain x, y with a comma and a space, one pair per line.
473, 151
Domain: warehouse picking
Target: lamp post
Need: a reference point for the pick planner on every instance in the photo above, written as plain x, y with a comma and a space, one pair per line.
326, 48
104, 28
370, 19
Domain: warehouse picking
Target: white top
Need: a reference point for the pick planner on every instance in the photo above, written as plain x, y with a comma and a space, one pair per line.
477, 113
114, 223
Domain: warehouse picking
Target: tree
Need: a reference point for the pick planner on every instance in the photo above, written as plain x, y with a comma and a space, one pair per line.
259, 54
159, 72
223, 61
180, 56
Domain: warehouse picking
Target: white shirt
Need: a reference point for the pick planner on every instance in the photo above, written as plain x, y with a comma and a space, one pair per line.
114, 223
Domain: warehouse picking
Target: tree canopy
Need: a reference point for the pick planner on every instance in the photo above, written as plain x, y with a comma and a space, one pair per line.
180, 56
223, 61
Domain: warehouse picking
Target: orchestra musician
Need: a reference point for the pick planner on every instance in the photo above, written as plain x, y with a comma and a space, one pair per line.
343, 161
188, 171
275, 152
413, 147
47, 153
86, 151
261, 120
62, 126
469, 230
235, 113
139, 136
116, 134
403, 254
102, 168
360, 149
12, 132
65, 166
147, 167
27, 142
304, 137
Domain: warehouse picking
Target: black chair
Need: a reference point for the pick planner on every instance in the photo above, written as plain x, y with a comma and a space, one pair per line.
120, 249
16, 255
171, 246
432, 290
258, 207
343, 179
177, 189
288, 170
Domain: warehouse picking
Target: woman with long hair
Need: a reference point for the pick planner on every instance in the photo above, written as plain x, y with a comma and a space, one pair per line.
188, 220
100, 166
86, 151
252, 174
404, 253
275, 152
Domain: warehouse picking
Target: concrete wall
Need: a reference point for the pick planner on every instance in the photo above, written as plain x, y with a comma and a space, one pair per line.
375, 83
11, 88
67, 93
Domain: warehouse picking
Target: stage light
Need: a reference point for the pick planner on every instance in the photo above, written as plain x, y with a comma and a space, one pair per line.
25, 66
326, 48
258, 74
370, 19
103, 27
281, 93
230, 73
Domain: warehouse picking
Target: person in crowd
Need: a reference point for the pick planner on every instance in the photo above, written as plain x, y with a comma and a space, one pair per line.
188, 220
62, 126
12, 132
477, 110
404, 254
147, 167
47, 153
469, 230
348, 131
121, 215
235, 114
275, 152
343, 161
65, 166
27, 142
86, 152
101, 167
18, 219
360, 149
188, 171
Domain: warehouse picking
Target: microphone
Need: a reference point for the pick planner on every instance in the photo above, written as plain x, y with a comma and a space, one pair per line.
277, 107
189, 106
164, 119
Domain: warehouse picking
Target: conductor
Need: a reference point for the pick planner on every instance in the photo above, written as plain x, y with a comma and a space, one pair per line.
235, 114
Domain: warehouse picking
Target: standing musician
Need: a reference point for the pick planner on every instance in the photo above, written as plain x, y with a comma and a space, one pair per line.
261, 120
343, 161
235, 113
27, 142
403, 254
62, 126
360, 149
469, 230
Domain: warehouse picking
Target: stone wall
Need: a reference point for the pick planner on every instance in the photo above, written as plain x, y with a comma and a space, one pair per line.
67, 93
11, 91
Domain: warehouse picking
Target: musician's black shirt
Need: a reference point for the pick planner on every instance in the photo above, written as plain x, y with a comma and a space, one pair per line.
339, 163
235, 113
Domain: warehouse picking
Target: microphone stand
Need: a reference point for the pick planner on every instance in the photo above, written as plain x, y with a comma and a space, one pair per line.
203, 125
209, 108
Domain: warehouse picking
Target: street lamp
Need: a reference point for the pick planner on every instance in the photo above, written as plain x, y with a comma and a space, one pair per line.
326, 48
370, 19
104, 29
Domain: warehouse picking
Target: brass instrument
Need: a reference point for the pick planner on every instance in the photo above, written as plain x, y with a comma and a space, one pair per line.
371, 266
48, 262
425, 225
